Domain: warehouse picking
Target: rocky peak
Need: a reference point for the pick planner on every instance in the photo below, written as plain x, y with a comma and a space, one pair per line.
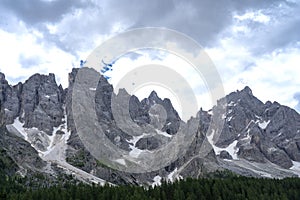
2, 76
153, 96
72, 76
263, 132
122, 92
246, 90
3, 87
41, 103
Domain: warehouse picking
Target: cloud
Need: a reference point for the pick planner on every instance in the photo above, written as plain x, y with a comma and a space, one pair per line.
73, 25
23, 56
252, 42
266, 29
36, 11
272, 76
297, 98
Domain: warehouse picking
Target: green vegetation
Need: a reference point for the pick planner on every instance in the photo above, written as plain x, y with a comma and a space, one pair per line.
205, 188
78, 160
7, 165
101, 164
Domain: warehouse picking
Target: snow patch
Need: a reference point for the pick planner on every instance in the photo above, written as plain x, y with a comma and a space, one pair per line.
19, 126
263, 124
47, 96
55, 138
121, 161
248, 136
271, 149
258, 117
163, 133
230, 118
295, 168
231, 148
279, 134
247, 127
157, 181
173, 176
231, 103
135, 152
135, 139
93, 89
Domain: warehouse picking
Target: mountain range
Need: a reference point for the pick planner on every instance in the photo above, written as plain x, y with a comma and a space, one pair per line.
40, 134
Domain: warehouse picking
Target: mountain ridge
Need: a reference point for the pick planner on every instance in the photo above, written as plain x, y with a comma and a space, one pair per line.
255, 135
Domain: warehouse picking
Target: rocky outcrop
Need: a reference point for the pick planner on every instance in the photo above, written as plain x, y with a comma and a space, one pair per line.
264, 132
42, 103
225, 155
38, 102
16, 152
10, 98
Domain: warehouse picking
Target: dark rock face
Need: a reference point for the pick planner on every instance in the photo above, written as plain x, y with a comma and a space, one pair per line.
38, 102
172, 121
225, 155
42, 103
23, 153
251, 153
139, 112
267, 131
10, 98
18, 151
149, 143
2, 117
242, 107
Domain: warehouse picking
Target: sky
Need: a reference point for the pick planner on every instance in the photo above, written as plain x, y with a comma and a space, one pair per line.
254, 43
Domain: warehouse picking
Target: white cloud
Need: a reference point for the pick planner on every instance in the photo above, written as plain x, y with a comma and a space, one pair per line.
248, 54
272, 76
256, 45
256, 16
176, 69
20, 49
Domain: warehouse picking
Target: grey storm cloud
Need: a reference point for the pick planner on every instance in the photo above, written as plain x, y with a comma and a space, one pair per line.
203, 20
35, 11
286, 33
282, 31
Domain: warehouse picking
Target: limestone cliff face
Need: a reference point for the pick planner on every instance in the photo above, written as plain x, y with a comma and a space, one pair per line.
38, 102
252, 131
263, 131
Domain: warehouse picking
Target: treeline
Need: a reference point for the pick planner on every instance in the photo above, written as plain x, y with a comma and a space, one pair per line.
206, 188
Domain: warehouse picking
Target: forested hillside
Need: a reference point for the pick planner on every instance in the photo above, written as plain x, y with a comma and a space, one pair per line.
207, 188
